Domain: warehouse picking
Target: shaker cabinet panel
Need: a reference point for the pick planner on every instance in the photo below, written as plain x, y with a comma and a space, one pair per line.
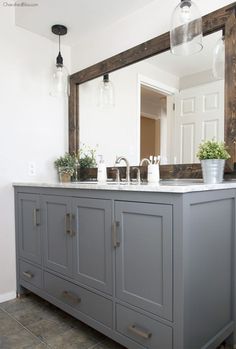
144, 256
92, 250
140, 328
29, 225
57, 235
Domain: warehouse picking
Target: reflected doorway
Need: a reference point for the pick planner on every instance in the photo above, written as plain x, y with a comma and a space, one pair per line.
156, 111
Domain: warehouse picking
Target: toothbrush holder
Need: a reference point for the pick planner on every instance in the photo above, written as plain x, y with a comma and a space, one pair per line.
153, 175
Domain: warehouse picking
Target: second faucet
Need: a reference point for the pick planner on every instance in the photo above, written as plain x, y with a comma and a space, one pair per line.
118, 160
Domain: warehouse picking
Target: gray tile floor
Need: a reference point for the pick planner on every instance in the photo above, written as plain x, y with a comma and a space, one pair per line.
32, 323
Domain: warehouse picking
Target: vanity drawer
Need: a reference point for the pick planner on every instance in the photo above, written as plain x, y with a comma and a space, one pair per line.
140, 328
95, 306
31, 274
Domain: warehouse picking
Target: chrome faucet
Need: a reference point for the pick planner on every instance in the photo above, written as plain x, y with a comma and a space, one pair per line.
118, 160
144, 160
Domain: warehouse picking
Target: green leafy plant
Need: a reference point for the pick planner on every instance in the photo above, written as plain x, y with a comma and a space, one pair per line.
86, 157
65, 164
212, 150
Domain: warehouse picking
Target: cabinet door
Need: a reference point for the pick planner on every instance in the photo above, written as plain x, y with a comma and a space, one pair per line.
92, 250
57, 233
29, 227
144, 256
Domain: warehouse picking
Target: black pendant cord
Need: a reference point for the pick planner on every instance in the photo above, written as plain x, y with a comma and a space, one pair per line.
59, 29
59, 61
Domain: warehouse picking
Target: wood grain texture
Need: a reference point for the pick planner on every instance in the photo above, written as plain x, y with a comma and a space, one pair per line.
221, 19
73, 121
230, 87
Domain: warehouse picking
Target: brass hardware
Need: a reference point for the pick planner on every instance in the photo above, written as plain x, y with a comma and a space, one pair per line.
116, 242
70, 296
28, 274
68, 223
36, 217
73, 225
139, 332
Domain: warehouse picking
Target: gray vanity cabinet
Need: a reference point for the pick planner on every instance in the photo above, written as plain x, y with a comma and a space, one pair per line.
144, 256
57, 233
150, 270
29, 225
92, 253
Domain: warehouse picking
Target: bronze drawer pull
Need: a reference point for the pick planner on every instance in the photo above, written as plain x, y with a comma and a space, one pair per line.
36, 217
139, 332
28, 274
70, 296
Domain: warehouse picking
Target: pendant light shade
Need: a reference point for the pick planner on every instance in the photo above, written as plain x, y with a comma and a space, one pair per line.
60, 75
186, 29
106, 97
218, 66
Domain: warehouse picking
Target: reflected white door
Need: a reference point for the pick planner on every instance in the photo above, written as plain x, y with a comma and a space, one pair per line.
199, 115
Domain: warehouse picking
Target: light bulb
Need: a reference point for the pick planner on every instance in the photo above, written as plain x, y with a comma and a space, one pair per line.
186, 29
106, 98
185, 14
59, 82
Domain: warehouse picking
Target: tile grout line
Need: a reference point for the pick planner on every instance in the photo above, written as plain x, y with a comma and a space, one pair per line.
98, 343
12, 317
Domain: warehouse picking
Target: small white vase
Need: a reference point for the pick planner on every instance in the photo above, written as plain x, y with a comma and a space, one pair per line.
213, 170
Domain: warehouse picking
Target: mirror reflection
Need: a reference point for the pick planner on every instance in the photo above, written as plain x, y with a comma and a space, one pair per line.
165, 105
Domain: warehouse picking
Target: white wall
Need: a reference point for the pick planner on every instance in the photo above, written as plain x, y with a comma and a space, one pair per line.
197, 79
116, 131
33, 126
142, 25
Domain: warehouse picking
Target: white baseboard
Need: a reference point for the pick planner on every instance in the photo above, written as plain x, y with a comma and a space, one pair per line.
7, 296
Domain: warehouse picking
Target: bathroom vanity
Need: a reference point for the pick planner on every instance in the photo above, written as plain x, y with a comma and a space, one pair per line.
149, 266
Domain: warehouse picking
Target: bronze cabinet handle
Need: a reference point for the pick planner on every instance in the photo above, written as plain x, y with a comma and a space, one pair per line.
28, 274
36, 217
140, 332
73, 225
70, 296
115, 240
68, 223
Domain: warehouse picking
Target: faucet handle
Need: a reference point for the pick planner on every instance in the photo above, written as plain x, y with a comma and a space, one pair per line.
117, 173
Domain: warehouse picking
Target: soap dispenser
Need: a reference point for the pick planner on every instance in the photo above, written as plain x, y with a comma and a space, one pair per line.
102, 170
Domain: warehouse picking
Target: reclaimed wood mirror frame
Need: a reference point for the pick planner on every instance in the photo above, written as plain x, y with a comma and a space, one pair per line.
222, 19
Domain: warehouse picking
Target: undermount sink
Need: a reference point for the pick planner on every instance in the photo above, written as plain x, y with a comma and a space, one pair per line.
167, 182
181, 181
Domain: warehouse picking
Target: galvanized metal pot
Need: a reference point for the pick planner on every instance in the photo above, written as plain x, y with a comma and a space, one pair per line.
213, 170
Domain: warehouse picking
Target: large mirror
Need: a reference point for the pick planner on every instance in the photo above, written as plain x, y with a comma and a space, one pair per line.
165, 105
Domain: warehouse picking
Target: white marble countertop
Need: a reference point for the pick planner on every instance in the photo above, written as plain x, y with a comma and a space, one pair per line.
164, 186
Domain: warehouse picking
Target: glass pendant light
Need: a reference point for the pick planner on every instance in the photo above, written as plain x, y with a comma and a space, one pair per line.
106, 98
186, 29
218, 66
60, 86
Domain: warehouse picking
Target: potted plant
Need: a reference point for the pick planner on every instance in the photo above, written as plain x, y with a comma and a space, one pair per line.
84, 158
212, 155
65, 166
